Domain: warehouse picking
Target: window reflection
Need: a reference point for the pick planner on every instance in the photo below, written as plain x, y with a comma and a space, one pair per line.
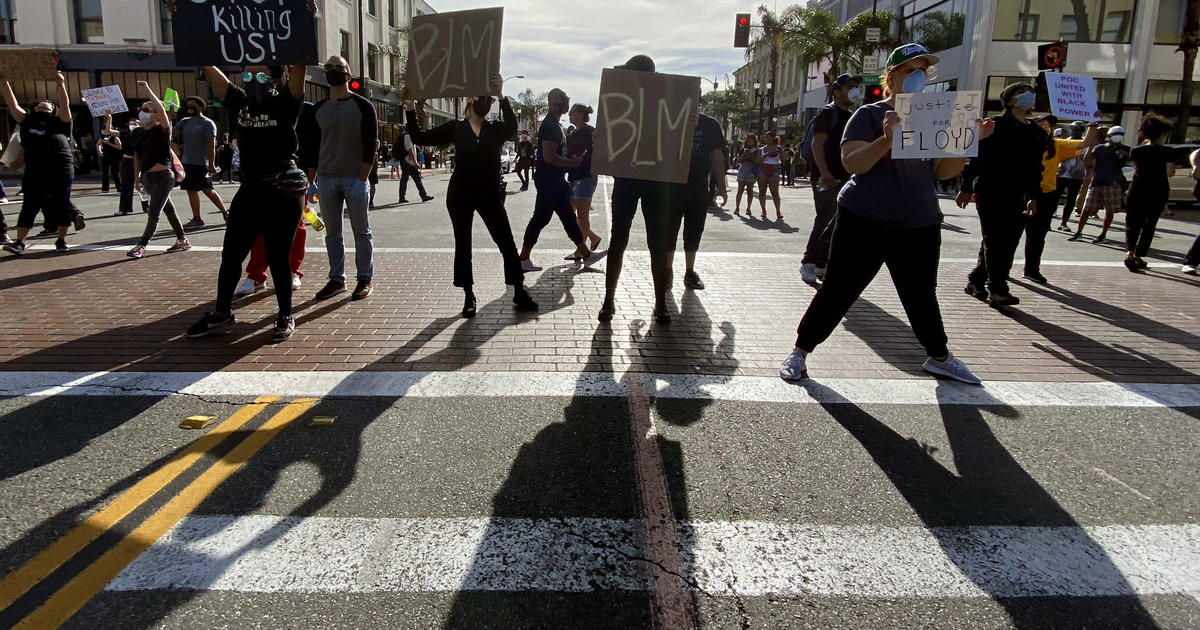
1074, 21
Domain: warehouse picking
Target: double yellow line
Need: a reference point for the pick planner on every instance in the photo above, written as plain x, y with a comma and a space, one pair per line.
69, 599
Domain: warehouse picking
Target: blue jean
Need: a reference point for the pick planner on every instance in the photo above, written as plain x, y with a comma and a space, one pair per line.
335, 198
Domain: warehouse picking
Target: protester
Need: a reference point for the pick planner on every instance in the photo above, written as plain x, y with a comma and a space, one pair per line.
225, 159
109, 149
689, 202
1153, 166
747, 173
1106, 190
524, 160
153, 167
476, 186
657, 214
1071, 174
373, 176
786, 171
198, 134
553, 192
346, 156
127, 164
888, 215
583, 183
825, 170
1005, 179
768, 176
1056, 151
236, 165
269, 200
406, 158
49, 173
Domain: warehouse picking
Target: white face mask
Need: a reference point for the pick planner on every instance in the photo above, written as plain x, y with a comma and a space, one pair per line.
1117, 139
145, 117
855, 94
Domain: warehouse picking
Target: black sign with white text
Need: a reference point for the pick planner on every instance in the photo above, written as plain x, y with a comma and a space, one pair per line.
244, 32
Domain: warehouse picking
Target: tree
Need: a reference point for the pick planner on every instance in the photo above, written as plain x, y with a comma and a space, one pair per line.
1079, 9
730, 105
939, 30
770, 38
530, 106
1188, 44
819, 37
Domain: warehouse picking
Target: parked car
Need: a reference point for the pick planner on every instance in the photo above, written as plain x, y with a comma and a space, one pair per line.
506, 160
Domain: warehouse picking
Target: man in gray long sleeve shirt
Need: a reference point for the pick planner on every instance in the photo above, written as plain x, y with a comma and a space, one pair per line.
344, 157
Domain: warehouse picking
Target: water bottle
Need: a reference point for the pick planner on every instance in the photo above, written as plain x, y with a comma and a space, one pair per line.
145, 200
314, 220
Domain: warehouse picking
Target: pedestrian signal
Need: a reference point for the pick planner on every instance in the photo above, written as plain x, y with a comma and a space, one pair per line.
873, 94
355, 85
741, 31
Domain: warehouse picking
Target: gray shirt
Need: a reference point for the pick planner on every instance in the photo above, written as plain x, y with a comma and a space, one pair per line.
348, 135
195, 134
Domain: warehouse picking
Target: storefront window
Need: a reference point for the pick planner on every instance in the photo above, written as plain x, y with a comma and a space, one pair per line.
89, 22
938, 26
1075, 21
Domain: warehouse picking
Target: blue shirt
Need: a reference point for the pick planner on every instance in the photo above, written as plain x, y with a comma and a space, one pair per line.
552, 131
898, 193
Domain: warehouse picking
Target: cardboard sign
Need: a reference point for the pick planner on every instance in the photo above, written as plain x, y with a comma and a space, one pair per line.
244, 32
454, 54
105, 100
28, 65
1072, 96
938, 125
642, 129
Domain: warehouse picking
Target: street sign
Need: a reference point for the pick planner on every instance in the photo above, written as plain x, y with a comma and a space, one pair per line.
870, 64
1052, 56
870, 79
873, 33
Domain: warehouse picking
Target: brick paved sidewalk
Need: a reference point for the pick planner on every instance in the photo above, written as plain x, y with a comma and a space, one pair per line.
101, 311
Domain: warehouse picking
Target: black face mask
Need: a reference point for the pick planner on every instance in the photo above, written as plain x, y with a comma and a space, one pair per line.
191, 111
257, 93
41, 119
482, 106
336, 78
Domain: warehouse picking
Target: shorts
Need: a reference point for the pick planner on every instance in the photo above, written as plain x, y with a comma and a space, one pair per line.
583, 188
1109, 197
775, 170
747, 173
373, 176
196, 177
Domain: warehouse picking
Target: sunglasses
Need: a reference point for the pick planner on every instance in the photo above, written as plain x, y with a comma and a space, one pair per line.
261, 77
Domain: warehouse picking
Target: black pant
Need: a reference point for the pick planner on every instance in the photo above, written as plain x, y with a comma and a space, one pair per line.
1070, 188
660, 237
158, 185
688, 206
817, 250
1036, 229
126, 205
1193, 255
111, 168
860, 247
1001, 221
409, 171
553, 197
258, 208
1141, 220
49, 195
523, 175
463, 201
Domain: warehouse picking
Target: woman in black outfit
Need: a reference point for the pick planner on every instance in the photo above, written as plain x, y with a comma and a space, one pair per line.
524, 162
476, 186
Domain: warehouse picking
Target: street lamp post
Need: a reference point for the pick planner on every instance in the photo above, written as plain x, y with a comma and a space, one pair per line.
761, 95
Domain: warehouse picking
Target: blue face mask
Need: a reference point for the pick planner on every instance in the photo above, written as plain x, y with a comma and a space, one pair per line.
1025, 100
914, 83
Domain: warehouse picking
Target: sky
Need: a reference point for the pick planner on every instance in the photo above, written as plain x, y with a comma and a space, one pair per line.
567, 44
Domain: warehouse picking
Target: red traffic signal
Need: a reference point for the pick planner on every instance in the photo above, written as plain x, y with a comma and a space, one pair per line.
741, 31
874, 94
355, 85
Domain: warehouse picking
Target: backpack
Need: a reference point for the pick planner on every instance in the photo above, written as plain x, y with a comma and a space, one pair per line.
806, 148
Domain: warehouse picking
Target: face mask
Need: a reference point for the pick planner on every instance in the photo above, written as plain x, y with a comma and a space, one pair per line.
1025, 100
1117, 139
145, 117
482, 106
914, 83
336, 77
855, 94
191, 111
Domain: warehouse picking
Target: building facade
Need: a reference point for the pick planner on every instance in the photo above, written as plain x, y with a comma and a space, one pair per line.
121, 42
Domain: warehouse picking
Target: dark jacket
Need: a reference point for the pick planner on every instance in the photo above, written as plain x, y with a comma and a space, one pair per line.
1009, 164
477, 158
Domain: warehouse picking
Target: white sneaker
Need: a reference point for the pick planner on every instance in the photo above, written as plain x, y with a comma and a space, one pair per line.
249, 286
821, 273
951, 368
794, 368
527, 265
295, 281
1188, 269
808, 273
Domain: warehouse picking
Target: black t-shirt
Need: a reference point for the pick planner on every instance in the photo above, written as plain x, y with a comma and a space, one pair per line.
151, 146
577, 143
708, 138
552, 131
1150, 170
266, 131
47, 144
832, 149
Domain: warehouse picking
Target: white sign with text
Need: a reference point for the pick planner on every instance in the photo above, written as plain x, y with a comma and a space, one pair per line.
937, 125
1072, 96
105, 100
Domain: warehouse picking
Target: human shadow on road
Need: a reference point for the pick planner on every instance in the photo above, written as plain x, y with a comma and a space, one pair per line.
992, 489
29, 280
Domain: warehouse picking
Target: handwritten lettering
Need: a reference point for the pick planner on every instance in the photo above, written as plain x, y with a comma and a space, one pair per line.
243, 32
454, 54
644, 125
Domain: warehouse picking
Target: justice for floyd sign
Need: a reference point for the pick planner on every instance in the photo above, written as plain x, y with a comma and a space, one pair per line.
453, 54
244, 32
643, 126
938, 125
1072, 96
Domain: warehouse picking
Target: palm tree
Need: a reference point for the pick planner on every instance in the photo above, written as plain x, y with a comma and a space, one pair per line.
819, 37
770, 38
1188, 45
530, 106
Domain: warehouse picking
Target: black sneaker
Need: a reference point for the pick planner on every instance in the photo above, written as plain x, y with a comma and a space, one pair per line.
1003, 299
15, 247
691, 280
61, 246
209, 323
975, 291
402, 200
469, 304
425, 198
1036, 277
285, 325
1075, 237
331, 288
523, 302
661, 314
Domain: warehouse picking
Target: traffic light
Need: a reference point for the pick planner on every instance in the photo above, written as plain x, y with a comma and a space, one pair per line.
355, 85
873, 94
741, 31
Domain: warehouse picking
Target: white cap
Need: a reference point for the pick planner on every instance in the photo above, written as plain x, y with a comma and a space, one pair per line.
1116, 131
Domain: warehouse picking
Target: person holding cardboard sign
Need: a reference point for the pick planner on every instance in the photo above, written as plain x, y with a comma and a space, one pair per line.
888, 214
553, 191
49, 165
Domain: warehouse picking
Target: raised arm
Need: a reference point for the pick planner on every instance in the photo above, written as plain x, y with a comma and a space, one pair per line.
18, 112
508, 119
297, 74
159, 115
217, 80
64, 99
